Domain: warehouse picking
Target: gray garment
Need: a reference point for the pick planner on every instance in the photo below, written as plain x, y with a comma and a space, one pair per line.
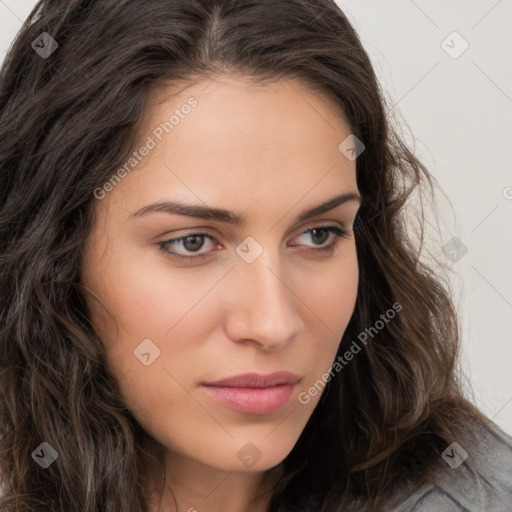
481, 483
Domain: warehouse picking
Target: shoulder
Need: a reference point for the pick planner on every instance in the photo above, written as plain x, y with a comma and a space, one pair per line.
474, 476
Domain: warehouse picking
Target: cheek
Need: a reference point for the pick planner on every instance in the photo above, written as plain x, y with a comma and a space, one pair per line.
332, 298
155, 350
331, 293
163, 321
145, 299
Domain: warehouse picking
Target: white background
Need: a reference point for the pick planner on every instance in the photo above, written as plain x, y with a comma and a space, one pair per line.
459, 111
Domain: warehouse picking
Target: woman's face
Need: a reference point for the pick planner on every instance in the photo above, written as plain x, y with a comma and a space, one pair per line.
255, 297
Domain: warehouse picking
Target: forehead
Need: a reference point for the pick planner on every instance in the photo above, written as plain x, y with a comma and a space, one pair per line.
246, 92
228, 136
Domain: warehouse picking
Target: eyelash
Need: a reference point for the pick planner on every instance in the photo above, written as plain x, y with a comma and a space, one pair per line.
335, 230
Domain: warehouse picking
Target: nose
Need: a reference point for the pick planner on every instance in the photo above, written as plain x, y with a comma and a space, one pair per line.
262, 307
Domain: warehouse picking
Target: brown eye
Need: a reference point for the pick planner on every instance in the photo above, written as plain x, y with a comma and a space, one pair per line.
320, 234
191, 243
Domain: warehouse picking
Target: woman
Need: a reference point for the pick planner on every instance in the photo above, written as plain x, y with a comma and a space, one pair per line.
209, 298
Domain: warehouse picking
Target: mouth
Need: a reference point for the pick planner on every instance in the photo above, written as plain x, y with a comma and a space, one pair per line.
253, 393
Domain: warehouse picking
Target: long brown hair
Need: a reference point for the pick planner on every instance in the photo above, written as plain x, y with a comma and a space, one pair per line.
68, 121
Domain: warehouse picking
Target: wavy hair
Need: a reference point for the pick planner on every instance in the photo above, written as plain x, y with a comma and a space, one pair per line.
68, 121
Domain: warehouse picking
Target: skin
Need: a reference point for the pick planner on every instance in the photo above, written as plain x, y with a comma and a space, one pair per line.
267, 153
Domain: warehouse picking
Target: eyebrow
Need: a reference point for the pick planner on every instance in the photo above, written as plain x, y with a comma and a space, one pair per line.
220, 215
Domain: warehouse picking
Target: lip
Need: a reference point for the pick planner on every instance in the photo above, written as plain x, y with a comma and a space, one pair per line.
253, 393
256, 380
